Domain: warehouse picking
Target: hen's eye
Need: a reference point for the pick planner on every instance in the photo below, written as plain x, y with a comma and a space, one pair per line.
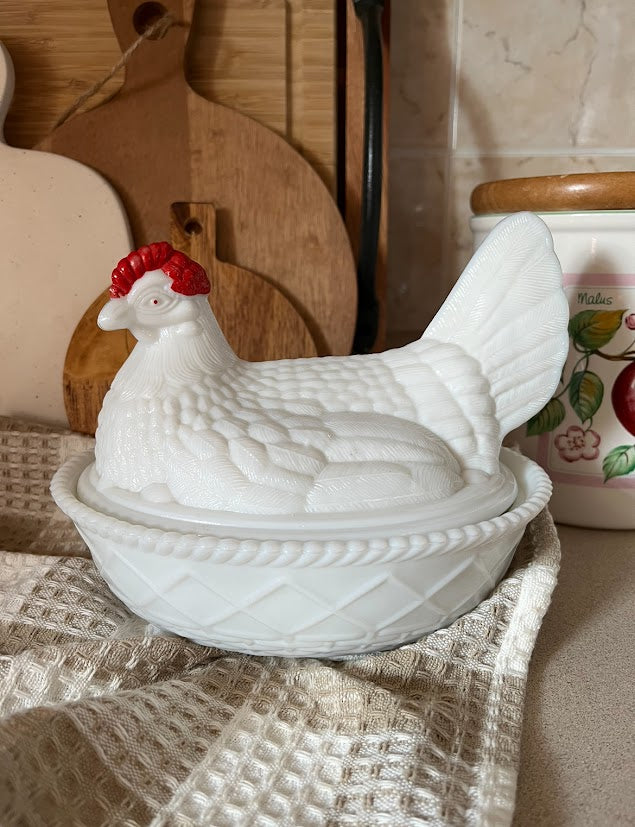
153, 301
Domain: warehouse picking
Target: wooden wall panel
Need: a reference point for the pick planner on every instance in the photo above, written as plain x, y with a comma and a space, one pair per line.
274, 60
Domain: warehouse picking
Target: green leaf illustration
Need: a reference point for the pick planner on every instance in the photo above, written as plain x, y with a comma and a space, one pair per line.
547, 419
586, 392
619, 462
592, 329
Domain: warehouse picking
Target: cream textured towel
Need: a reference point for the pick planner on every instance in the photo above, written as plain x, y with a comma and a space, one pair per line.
105, 720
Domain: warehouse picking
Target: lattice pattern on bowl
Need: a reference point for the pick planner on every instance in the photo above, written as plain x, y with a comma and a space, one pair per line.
303, 598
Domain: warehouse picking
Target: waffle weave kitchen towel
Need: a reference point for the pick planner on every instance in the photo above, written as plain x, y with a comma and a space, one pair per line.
105, 720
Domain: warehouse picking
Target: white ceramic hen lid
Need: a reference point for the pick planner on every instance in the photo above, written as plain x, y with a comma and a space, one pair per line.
190, 432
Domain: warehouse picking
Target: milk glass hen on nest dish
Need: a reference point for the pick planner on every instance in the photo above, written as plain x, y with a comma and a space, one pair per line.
323, 506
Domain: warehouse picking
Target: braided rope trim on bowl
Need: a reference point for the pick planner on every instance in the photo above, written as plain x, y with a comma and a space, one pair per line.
297, 553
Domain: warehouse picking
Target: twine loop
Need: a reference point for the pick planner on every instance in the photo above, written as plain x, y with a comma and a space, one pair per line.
155, 31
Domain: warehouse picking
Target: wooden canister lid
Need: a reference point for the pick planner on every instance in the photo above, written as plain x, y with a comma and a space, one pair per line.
557, 193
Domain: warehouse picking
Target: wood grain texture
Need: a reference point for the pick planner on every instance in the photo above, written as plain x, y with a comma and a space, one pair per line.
158, 142
273, 60
549, 193
260, 323
311, 100
92, 360
60, 48
237, 56
257, 319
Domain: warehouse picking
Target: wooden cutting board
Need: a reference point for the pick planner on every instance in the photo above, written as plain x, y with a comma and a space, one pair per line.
274, 60
257, 319
158, 142
61, 229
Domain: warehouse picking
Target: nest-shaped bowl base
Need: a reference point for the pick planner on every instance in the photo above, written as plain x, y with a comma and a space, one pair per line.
324, 595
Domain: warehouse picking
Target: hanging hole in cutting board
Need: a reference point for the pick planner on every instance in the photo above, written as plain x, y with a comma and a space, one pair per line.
193, 227
146, 15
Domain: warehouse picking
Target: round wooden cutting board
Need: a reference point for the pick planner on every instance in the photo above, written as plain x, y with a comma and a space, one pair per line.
158, 143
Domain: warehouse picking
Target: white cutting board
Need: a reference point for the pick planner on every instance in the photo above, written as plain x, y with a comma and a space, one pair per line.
62, 230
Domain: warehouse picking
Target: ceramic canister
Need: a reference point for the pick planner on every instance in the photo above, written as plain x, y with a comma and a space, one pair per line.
585, 436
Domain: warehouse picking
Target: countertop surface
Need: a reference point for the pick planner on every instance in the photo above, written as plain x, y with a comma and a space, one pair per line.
577, 763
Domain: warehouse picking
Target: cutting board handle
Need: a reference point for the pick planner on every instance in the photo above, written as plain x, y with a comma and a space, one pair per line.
154, 58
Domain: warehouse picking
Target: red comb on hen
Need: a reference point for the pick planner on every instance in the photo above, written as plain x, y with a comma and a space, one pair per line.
188, 277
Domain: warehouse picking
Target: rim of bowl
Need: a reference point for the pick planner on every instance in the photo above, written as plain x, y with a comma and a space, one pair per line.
473, 503
533, 481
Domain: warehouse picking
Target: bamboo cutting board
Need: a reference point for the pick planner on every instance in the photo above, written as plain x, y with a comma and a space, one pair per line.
158, 143
257, 319
274, 60
61, 229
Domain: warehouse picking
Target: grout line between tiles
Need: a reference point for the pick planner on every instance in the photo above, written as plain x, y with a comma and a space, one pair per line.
415, 152
554, 152
456, 55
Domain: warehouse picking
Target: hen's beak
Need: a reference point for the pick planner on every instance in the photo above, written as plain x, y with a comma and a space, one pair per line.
114, 315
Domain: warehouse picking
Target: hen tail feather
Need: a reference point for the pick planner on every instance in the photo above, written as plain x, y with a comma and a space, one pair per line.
508, 310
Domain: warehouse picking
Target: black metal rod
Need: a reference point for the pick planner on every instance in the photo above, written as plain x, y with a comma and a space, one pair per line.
369, 13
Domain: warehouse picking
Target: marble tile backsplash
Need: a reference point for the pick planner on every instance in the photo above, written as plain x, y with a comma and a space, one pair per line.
486, 89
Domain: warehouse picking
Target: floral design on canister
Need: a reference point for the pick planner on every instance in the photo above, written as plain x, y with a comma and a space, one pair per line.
587, 430
578, 444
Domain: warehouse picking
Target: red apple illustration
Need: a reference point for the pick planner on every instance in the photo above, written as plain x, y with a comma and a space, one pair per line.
623, 397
